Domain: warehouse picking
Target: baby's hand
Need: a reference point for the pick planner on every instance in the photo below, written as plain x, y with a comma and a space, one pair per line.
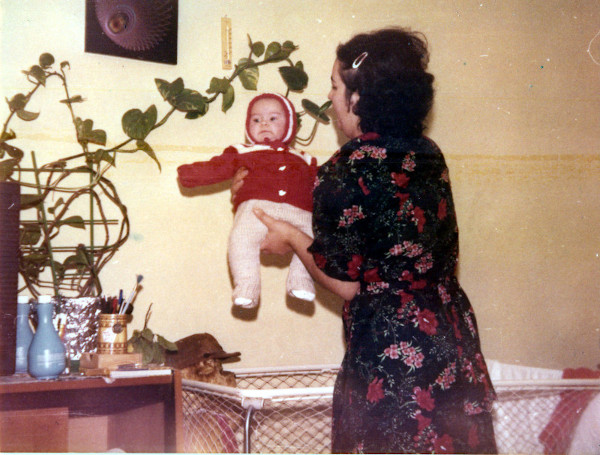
238, 181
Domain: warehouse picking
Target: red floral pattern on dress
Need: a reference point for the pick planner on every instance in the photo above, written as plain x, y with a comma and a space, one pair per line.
419, 218
392, 351
423, 398
354, 265
350, 215
442, 209
423, 422
320, 260
363, 187
400, 180
413, 378
375, 392
426, 321
443, 444
372, 275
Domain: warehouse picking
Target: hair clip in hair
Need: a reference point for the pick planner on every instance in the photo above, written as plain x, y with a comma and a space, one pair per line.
358, 60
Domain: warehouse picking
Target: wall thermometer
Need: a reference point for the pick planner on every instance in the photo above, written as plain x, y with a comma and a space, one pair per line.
226, 56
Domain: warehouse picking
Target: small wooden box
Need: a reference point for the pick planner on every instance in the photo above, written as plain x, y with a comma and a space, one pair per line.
94, 363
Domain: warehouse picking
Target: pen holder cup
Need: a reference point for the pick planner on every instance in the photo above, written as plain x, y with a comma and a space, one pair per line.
112, 334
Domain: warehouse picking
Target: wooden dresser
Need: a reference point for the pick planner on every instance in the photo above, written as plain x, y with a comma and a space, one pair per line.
91, 414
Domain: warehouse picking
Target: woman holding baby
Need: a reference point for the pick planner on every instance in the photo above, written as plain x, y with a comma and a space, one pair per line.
413, 378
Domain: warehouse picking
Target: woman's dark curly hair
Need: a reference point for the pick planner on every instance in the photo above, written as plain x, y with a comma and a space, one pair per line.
396, 91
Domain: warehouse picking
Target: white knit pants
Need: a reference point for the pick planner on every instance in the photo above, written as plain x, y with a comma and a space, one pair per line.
244, 251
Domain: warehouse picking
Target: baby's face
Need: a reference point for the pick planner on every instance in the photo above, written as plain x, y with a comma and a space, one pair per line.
267, 121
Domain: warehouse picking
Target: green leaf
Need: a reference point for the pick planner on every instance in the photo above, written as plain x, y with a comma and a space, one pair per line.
29, 201
37, 73
190, 100
133, 343
86, 132
147, 354
53, 209
97, 137
76, 261
272, 49
26, 115
58, 268
46, 60
31, 234
192, 115
62, 164
7, 167
310, 107
13, 152
73, 99
168, 345
277, 52
7, 136
169, 90
158, 354
289, 47
248, 76
228, 99
17, 102
103, 155
137, 125
219, 85
73, 221
145, 147
295, 78
147, 334
82, 255
35, 258
29, 271
317, 111
258, 48
325, 106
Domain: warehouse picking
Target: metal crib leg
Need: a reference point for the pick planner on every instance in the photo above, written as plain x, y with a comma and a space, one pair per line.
247, 429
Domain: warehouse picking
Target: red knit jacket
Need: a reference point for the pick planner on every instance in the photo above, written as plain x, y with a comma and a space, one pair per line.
276, 174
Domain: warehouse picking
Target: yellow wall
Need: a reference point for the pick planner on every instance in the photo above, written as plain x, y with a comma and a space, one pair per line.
517, 116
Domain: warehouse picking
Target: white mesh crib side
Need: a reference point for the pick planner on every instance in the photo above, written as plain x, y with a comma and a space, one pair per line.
213, 418
524, 409
289, 410
527, 401
292, 411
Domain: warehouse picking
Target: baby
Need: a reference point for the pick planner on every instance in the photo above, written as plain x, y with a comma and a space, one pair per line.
280, 182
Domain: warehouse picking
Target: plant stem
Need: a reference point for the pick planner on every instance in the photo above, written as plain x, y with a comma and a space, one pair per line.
45, 227
164, 119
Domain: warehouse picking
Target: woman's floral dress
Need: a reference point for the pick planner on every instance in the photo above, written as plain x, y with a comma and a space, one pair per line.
413, 378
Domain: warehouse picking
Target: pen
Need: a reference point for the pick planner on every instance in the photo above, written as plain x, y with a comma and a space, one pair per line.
129, 300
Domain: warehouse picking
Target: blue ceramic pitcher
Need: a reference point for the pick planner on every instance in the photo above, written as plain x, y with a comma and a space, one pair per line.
46, 357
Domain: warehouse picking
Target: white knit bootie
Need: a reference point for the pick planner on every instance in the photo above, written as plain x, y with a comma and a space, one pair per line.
246, 296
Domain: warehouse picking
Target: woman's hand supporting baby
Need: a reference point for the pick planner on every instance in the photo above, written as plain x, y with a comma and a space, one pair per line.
238, 181
284, 237
277, 240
